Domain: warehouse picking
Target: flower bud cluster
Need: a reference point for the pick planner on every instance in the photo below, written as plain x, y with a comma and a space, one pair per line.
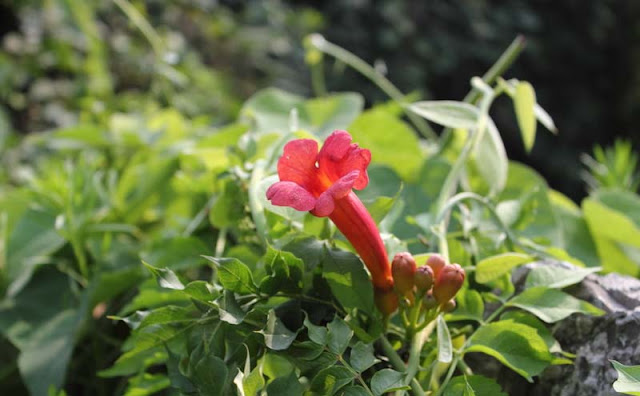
435, 283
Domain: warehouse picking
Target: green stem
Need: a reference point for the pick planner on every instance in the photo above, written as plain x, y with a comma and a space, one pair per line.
221, 242
452, 369
143, 25
356, 374
398, 364
317, 79
372, 74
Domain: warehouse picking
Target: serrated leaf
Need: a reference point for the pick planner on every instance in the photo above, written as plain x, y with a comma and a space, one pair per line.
515, 345
628, 381
234, 275
165, 277
524, 102
492, 268
551, 305
387, 380
330, 380
362, 357
445, 349
447, 113
557, 277
276, 335
338, 336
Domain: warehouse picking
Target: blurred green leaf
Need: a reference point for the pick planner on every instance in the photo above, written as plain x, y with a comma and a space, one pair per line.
387, 380
447, 113
628, 381
515, 345
480, 386
165, 277
524, 102
445, 349
492, 268
551, 305
557, 277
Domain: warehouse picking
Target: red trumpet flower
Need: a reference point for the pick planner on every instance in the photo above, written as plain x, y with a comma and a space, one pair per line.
322, 182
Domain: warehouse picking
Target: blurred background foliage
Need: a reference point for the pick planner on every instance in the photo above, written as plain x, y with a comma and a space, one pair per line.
205, 57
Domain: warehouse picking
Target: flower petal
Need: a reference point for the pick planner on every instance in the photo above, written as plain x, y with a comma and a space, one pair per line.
325, 203
286, 193
298, 162
339, 156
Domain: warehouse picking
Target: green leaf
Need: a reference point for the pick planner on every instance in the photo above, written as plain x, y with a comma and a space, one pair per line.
628, 381
515, 345
43, 361
330, 380
447, 113
284, 272
229, 309
362, 357
492, 268
276, 335
177, 253
249, 382
524, 102
209, 375
391, 141
348, 280
269, 111
354, 390
317, 334
147, 384
557, 277
490, 160
228, 209
479, 385
285, 385
234, 275
165, 315
469, 306
551, 305
545, 119
613, 218
165, 277
526, 318
338, 336
387, 380
200, 290
445, 349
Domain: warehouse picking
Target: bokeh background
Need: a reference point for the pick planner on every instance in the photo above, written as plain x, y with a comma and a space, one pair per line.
206, 57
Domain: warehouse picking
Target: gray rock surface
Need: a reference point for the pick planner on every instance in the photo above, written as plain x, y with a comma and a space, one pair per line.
594, 340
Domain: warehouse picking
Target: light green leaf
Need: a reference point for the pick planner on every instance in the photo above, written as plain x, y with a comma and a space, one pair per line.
492, 268
551, 305
469, 306
234, 275
447, 113
524, 102
490, 160
628, 381
557, 277
445, 349
276, 335
387, 380
479, 385
391, 141
515, 345
545, 119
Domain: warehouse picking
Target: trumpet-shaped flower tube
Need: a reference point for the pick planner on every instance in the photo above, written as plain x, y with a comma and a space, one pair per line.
321, 182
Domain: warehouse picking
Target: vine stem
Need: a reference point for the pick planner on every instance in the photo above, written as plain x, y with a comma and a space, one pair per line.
398, 364
320, 43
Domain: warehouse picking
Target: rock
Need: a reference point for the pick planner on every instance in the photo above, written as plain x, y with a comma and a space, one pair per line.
594, 340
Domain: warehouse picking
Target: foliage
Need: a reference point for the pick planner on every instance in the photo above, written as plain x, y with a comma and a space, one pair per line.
139, 254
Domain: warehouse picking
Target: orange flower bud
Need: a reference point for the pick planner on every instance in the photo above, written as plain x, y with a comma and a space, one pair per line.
386, 301
437, 263
448, 282
403, 268
423, 278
